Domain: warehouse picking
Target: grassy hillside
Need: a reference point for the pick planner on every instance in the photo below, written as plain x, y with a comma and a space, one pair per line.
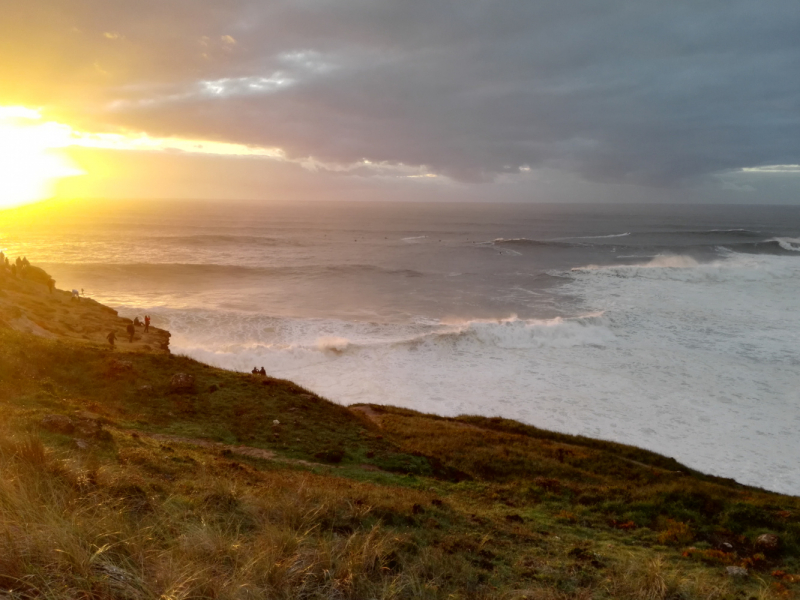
116, 482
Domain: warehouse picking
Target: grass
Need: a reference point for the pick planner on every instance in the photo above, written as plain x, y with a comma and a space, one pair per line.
376, 502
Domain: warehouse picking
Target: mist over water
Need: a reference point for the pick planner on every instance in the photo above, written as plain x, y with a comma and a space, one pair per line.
672, 328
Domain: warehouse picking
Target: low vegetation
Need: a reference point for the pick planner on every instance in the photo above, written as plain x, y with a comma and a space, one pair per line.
118, 480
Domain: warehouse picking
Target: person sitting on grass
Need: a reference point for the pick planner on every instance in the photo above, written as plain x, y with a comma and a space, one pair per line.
131, 330
111, 337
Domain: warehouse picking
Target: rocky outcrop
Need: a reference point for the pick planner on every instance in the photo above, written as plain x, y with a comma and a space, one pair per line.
29, 304
181, 382
768, 543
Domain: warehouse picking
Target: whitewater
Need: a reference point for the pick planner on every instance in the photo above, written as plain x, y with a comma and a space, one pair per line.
671, 328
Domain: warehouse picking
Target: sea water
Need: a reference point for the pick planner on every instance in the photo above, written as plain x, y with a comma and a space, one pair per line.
673, 328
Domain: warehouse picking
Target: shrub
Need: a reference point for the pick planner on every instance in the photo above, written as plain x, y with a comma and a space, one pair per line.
675, 532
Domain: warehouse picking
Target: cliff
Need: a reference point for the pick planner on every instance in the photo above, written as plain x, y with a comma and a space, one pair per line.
29, 304
135, 473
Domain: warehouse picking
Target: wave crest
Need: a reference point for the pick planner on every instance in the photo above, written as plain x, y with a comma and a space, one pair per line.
515, 333
791, 244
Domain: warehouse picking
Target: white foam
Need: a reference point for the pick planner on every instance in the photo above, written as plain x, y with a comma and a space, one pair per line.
595, 237
333, 343
791, 244
697, 361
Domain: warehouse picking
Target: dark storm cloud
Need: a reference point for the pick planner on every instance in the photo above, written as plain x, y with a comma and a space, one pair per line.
644, 92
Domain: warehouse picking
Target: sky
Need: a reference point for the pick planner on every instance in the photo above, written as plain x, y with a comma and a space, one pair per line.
524, 101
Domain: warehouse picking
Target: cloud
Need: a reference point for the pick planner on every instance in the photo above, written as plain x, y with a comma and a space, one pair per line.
650, 93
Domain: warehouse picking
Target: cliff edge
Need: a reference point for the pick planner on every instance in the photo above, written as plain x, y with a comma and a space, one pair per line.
30, 302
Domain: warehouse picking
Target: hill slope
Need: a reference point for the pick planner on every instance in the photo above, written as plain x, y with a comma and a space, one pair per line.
135, 473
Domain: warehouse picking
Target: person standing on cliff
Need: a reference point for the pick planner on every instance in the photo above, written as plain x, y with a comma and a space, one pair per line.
131, 330
111, 337
146, 323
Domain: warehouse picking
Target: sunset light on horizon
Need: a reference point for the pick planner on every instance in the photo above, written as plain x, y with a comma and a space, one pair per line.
31, 161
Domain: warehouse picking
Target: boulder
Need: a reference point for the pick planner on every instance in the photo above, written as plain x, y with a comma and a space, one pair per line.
768, 542
182, 382
58, 424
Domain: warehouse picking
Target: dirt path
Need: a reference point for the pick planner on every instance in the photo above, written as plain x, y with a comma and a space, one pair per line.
368, 412
241, 450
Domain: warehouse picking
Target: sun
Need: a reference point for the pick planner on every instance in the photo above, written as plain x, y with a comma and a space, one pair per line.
30, 156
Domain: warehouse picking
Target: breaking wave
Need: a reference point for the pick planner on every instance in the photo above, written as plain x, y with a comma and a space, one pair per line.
596, 237
514, 333
179, 271
529, 242
790, 244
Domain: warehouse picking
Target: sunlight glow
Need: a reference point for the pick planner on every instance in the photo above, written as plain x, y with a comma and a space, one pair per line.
116, 141
33, 155
30, 162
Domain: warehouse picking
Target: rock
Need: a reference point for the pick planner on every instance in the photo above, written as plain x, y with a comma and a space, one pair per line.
768, 542
120, 366
736, 572
181, 382
726, 547
82, 444
58, 424
88, 415
120, 583
275, 423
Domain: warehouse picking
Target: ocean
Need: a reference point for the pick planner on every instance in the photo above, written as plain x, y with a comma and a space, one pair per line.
673, 328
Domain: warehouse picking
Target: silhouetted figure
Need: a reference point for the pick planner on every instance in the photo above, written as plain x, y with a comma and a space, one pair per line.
254, 371
51, 284
146, 323
25, 262
263, 372
111, 337
131, 330
136, 322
